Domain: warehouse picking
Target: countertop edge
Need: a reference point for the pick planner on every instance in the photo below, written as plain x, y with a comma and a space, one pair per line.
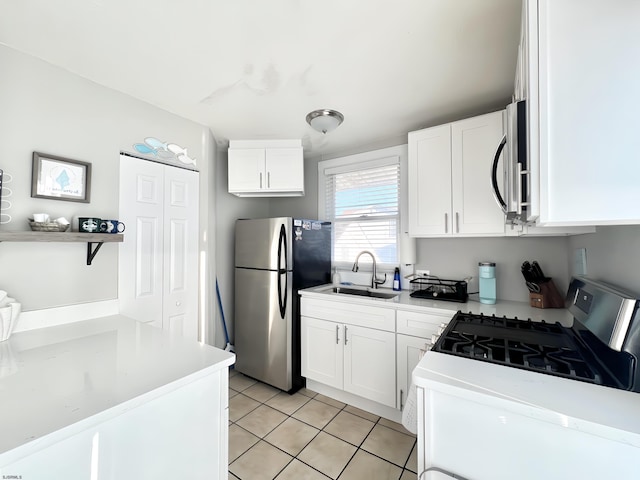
404, 301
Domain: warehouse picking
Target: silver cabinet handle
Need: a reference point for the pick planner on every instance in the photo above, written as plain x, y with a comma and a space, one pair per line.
260, 179
268, 179
345, 335
337, 334
457, 222
401, 392
446, 221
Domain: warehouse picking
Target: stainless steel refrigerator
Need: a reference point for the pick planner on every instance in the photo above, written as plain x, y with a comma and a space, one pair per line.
274, 258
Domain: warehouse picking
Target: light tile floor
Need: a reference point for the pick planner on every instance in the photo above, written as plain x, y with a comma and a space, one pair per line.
308, 436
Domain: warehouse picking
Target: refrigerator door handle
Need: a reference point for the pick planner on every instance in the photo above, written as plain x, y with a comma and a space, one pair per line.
282, 243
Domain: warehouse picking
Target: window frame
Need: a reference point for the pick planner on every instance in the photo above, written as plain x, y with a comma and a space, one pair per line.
362, 161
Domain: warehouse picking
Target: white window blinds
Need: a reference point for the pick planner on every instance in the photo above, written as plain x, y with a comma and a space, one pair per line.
362, 204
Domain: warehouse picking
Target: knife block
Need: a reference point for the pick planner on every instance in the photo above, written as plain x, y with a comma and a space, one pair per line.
549, 296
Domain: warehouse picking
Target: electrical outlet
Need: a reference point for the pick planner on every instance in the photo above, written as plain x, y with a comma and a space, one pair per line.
422, 273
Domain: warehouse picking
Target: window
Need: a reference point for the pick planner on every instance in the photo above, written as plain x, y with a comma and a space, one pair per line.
361, 200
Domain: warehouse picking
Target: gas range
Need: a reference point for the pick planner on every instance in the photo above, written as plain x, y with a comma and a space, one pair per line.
536, 346
602, 347
499, 389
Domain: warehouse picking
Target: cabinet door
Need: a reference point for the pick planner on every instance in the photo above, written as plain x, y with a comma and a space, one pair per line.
322, 351
140, 288
430, 181
474, 142
246, 169
369, 364
180, 259
588, 142
284, 169
423, 323
408, 357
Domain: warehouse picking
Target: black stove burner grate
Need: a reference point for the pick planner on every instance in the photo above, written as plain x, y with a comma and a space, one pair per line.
536, 346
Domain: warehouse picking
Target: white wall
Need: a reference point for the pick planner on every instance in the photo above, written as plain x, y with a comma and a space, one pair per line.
47, 109
613, 255
229, 208
458, 258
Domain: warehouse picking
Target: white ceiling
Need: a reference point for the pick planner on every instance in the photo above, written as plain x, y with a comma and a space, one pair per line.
253, 69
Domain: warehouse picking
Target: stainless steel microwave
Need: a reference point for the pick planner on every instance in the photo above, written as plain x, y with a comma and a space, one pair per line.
517, 192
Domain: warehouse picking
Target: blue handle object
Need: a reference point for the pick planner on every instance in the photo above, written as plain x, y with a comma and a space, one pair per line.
224, 322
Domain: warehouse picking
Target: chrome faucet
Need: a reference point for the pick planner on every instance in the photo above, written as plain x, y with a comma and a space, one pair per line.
374, 277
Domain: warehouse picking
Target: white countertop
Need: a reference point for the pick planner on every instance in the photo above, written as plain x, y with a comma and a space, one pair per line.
67, 376
404, 301
607, 412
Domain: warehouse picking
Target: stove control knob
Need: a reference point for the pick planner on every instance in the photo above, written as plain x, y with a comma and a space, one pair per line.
441, 328
434, 338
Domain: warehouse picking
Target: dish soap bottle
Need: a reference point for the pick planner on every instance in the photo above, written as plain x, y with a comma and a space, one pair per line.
336, 277
396, 280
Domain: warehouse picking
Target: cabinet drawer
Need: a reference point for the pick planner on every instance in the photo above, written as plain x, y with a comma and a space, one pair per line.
350, 313
421, 324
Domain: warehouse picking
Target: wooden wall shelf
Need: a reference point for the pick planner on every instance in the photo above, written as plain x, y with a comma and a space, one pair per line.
93, 240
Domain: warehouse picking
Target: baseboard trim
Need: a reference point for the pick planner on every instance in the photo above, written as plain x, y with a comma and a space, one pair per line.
356, 401
50, 317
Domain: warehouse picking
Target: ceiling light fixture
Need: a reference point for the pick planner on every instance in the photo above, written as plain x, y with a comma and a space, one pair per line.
324, 120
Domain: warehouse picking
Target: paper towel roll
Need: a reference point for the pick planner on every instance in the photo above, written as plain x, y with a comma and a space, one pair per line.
407, 249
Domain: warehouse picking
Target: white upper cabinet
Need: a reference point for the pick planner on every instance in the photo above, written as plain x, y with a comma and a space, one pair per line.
430, 181
450, 191
581, 80
272, 168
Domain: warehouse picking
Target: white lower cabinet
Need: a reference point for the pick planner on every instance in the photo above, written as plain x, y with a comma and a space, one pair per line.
409, 354
160, 438
322, 351
415, 329
341, 350
368, 364
356, 359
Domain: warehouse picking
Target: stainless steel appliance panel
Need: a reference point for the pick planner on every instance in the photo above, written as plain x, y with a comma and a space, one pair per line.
261, 243
263, 320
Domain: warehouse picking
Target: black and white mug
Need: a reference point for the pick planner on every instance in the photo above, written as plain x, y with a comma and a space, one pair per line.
111, 226
89, 224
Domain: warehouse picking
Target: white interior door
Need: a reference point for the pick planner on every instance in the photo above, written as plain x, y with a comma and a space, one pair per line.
180, 289
158, 260
140, 260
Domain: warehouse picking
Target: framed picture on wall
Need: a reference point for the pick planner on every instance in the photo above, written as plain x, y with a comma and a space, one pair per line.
59, 178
